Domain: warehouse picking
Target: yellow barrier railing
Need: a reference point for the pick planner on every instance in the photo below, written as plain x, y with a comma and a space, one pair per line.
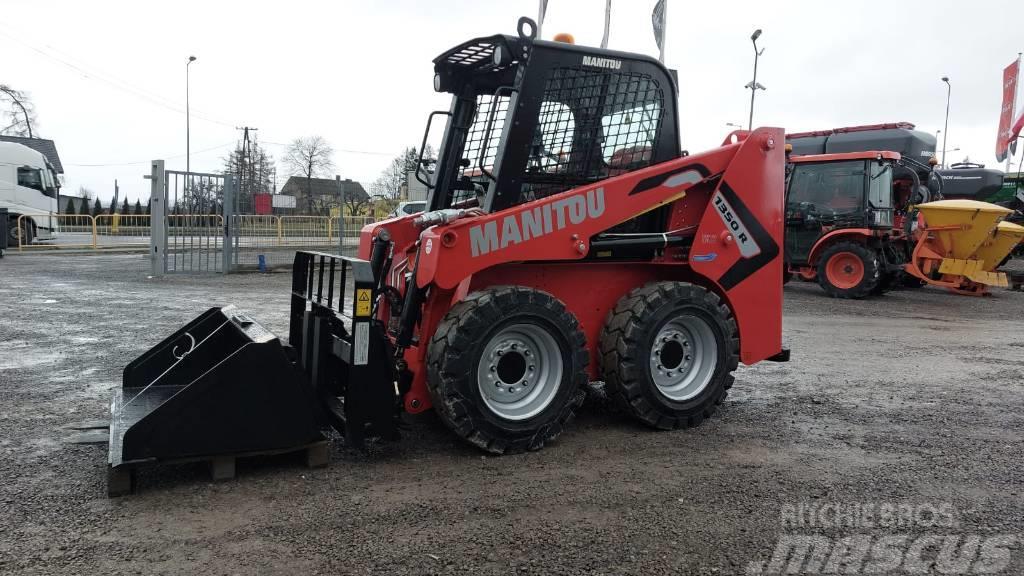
134, 230
122, 229
74, 231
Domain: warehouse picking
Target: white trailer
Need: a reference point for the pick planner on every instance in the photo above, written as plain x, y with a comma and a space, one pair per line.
29, 188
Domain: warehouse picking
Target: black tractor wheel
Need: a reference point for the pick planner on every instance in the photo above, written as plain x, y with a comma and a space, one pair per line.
849, 270
506, 368
669, 350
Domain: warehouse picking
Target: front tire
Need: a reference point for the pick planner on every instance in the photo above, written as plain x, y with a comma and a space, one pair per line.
12, 231
506, 368
849, 270
669, 350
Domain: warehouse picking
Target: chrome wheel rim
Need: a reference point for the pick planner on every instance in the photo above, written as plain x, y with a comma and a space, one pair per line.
520, 371
683, 357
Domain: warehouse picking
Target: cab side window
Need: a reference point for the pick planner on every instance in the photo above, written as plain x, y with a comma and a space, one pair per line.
629, 135
31, 178
833, 188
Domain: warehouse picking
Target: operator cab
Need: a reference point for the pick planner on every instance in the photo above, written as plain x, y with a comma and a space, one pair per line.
530, 118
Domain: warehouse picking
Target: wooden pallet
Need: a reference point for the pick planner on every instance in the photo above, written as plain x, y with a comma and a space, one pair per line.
121, 480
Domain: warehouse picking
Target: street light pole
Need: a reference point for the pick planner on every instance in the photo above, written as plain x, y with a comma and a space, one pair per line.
188, 120
754, 86
945, 127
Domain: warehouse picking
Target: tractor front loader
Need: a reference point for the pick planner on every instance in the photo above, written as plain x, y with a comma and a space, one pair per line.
567, 239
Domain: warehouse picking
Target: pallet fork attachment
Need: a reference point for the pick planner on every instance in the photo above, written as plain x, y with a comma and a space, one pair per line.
224, 385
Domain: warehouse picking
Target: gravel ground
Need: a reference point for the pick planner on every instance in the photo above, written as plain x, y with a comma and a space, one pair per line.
912, 400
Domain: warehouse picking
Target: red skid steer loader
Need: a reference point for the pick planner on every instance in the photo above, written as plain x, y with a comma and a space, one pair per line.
567, 239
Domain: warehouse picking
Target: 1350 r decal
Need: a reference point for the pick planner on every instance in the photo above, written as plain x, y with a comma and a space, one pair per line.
746, 243
758, 242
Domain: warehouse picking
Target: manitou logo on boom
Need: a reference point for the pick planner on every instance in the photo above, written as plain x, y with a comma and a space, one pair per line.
536, 222
596, 62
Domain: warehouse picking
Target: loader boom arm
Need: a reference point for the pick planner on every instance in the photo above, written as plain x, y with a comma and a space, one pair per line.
566, 221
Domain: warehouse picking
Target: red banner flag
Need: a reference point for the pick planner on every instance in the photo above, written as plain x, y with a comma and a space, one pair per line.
1006, 114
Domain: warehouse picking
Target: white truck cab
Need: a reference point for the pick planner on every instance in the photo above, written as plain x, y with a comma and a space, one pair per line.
28, 187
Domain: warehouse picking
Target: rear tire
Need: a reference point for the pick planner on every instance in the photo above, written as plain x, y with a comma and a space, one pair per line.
506, 368
669, 350
849, 270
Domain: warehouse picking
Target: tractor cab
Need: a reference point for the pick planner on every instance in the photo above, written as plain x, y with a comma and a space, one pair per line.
872, 192
530, 118
830, 192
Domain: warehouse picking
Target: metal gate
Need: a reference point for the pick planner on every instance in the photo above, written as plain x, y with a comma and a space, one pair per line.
190, 215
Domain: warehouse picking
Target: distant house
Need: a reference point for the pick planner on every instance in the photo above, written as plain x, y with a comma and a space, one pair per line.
325, 193
45, 147
77, 201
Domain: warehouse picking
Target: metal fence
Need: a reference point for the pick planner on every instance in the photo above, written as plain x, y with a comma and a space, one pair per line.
277, 238
197, 224
106, 231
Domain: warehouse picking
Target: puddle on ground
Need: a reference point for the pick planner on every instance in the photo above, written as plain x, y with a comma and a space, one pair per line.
21, 354
73, 375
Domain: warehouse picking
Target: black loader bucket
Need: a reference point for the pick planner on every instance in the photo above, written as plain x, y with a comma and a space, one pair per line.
224, 386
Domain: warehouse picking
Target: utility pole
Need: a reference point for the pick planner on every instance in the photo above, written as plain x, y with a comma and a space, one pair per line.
341, 215
188, 119
117, 192
245, 167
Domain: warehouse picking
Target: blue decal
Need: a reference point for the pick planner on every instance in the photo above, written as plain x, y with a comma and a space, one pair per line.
704, 257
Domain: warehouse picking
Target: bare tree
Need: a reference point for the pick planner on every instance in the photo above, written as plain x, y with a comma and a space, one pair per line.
20, 115
357, 205
201, 196
309, 158
393, 180
254, 171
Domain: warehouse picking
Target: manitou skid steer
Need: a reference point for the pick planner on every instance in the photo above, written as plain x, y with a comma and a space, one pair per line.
567, 239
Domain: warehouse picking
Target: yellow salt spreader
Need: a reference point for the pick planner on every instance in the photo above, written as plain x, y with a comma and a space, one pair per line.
960, 243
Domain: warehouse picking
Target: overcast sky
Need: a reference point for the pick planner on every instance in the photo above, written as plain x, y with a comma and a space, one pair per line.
108, 77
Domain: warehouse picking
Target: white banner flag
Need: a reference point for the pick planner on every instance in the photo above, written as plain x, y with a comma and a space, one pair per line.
543, 8
607, 22
658, 20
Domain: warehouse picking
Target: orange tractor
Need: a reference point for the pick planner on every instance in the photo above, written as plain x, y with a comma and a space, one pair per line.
859, 222
567, 238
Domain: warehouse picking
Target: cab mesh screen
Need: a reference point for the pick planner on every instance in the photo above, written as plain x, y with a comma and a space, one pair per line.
592, 124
